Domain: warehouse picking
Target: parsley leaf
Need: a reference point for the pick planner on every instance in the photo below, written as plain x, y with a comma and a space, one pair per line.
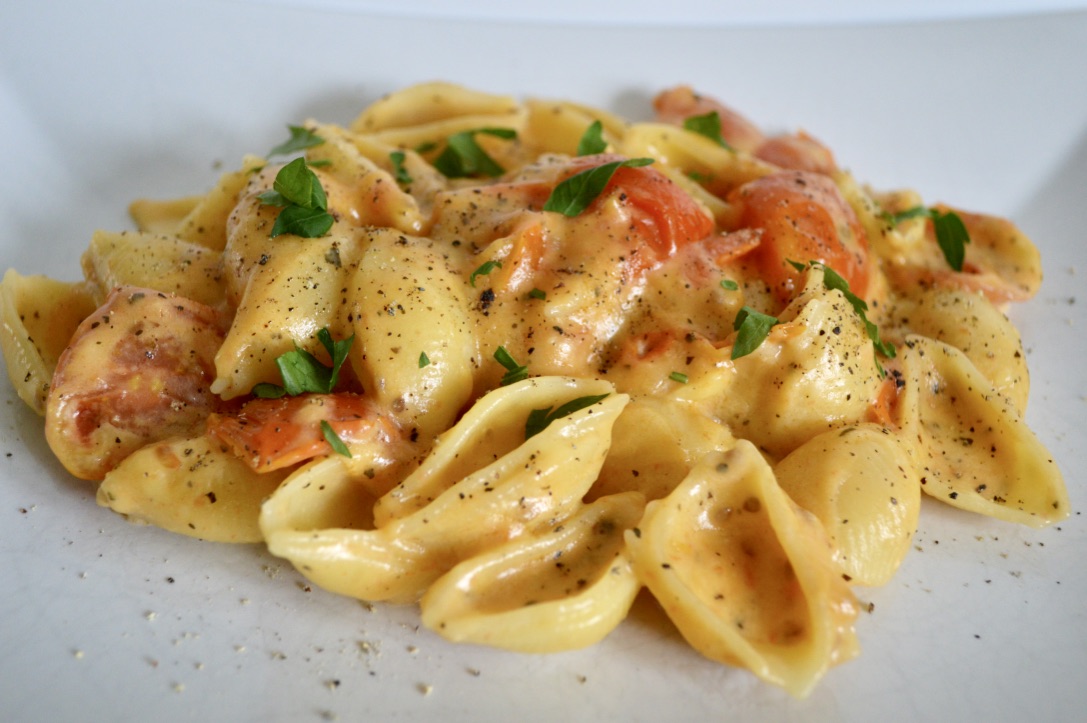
399, 172
535, 293
301, 139
514, 372
424, 360
267, 390
302, 372
952, 237
464, 157
574, 195
592, 140
707, 125
301, 221
333, 439
833, 280
678, 377
299, 185
729, 285
753, 328
484, 269
951, 233
539, 419
299, 193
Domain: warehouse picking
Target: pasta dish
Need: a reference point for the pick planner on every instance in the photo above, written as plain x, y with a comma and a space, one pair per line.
520, 361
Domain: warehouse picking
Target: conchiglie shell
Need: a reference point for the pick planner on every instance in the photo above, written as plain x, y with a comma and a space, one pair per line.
554, 126
295, 292
747, 577
431, 102
38, 316
206, 223
492, 428
971, 447
152, 261
190, 486
492, 498
862, 485
816, 371
682, 434
718, 168
161, 217
406, 302
558, 588
377, 199
321, 520
973, 324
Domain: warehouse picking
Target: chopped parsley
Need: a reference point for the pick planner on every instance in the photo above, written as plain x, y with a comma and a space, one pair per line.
298, 192
833, 280
333, 439
514, 372
753, 327
396, 158
302, 372
592, 140
708, 126
572, 196
951, 233
729, 285
539, 419
484, 269
678, 377
464, 157
301, 139
424, 360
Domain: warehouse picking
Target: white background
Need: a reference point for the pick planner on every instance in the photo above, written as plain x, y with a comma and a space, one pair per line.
984, 107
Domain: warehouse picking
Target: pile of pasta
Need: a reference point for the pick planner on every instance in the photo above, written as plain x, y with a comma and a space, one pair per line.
519, 360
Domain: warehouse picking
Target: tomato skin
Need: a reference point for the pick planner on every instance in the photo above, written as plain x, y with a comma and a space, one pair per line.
270, 434
677, 104
802, 217
798, 152
665, 216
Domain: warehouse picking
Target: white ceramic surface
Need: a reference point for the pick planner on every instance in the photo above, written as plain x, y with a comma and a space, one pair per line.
103, 620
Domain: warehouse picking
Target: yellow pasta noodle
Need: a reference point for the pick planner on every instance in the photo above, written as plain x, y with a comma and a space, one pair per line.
518, 360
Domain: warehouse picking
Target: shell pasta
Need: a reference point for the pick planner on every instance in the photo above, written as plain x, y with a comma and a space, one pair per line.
520, 362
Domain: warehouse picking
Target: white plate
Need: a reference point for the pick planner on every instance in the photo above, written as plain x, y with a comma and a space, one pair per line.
103, 620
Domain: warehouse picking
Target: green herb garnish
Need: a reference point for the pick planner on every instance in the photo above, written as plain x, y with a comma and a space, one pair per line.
592, 140
707, 125
514, 372
299, 193
302, 372
951, 233
753, 327
334, 439
537, 294
298, 185
833, 280
678, 377
396, 158
301, 139
304, 222
424, 360
539, 419
464, 157
484, 269
574, 195
729, 285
